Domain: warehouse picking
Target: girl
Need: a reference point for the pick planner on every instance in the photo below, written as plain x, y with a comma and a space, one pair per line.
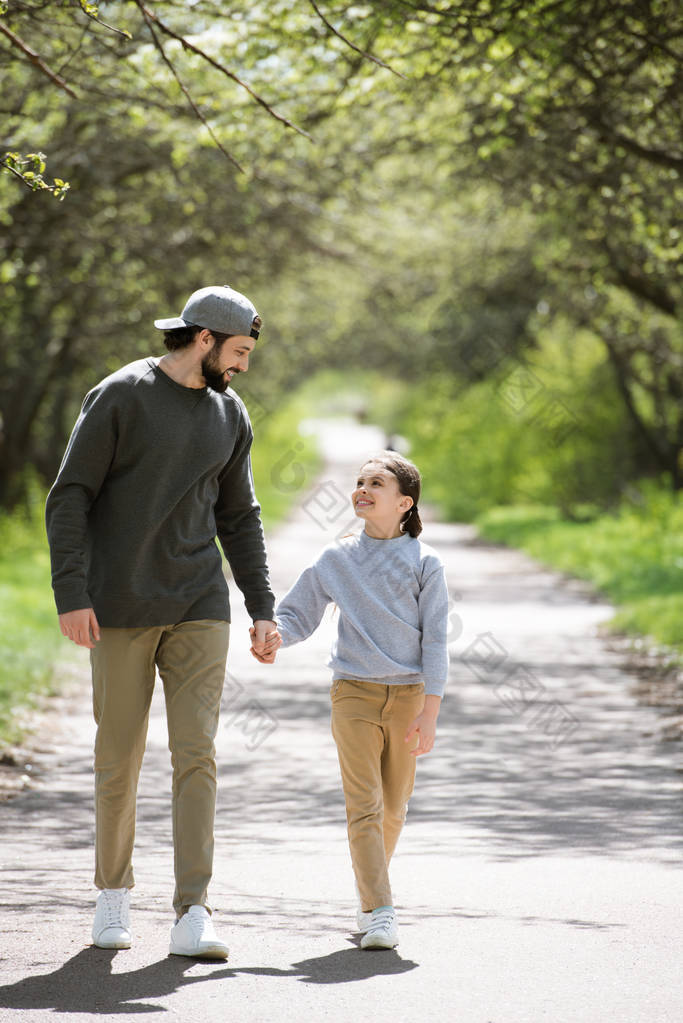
390, 665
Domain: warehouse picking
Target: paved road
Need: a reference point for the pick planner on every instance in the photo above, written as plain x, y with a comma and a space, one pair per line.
538, 878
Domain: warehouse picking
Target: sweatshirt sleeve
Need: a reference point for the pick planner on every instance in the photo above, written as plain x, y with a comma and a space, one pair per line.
433, 611
300, 611
84, 467
240, 531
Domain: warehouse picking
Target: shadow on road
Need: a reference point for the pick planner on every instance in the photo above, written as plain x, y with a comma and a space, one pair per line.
340, 967
86, 983
604, 791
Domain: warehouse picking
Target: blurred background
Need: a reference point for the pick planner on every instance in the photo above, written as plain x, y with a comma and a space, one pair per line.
458, 221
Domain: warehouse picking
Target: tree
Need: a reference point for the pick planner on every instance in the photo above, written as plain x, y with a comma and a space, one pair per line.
575, 108
516, 154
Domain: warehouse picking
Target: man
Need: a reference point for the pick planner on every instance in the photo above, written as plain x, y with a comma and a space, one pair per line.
157, 467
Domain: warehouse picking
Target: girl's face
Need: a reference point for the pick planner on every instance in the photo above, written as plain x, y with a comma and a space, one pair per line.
378, 500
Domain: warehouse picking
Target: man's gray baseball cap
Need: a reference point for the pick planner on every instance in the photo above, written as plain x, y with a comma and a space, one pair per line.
217, 308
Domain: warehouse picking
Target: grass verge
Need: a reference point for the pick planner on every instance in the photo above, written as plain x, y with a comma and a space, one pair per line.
634, 557
30, 639
284, 462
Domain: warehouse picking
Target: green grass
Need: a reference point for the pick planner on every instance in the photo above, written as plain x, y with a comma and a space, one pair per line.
284, 462
634, 557
29, 639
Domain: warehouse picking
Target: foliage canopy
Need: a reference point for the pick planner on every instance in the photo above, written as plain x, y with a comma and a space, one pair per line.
404, 186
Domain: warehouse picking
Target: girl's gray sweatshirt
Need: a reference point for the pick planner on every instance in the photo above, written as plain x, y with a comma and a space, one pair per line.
392, 601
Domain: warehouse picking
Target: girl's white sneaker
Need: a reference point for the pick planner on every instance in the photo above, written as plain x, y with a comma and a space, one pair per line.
363, 920
382, 930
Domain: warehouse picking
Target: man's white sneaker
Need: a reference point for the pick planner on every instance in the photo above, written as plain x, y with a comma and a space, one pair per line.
363, 920
383, 929
193, 935
111, 928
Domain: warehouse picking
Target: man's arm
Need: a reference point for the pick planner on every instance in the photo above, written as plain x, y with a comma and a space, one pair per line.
239, 528
83, 470
81, 627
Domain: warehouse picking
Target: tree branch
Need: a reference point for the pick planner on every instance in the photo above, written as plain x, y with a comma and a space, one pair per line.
98, 21
17, 174
368, 56
157, 42
36, 60
658, 156
150, 17
639, 285
658, 449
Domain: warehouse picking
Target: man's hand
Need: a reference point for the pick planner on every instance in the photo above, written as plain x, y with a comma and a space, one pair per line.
265, 641
81, 627
424, 726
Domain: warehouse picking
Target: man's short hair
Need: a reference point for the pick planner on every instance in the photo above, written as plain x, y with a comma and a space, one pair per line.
180, 337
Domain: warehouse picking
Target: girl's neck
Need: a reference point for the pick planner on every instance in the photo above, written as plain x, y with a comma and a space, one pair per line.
376, 531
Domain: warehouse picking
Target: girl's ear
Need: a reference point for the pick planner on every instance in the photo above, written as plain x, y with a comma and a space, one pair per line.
406, 506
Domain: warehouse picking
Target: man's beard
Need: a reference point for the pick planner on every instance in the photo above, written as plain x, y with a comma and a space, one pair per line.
215, 380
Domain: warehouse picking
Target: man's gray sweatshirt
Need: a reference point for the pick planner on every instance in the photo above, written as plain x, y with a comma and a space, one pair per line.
153, 472
392, 601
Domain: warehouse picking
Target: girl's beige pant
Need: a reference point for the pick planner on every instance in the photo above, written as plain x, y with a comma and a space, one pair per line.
190, 658
369, 725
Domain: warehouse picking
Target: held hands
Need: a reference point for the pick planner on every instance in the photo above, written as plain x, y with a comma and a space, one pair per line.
424, 726
81, 627
265, 641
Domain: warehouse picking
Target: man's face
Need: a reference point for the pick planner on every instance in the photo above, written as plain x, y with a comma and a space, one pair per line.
221, 363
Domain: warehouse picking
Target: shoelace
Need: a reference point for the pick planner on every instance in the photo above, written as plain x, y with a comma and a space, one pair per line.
115, 909
201, 925
382, 920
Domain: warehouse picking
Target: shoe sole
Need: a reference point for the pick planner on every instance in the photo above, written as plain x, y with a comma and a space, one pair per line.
378, 943
212, 952
122, 943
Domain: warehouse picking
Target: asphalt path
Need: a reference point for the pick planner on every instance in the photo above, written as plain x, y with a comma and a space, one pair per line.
538, 877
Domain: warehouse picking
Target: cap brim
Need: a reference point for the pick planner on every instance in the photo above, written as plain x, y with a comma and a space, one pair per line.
172, 324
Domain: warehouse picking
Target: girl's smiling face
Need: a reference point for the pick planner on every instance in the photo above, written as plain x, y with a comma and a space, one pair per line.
378, 500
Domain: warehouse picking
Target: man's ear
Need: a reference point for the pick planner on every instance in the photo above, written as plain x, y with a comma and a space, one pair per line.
206, 338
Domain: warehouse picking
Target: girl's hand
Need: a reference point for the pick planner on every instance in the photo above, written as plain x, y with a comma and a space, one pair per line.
424, 726
264, 645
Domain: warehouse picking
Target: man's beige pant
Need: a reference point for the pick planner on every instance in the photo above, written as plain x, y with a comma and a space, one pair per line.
369, 725
191, 660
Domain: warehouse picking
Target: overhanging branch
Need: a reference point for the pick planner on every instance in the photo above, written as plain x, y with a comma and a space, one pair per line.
157, 43
37, 61
335, 32
150, 17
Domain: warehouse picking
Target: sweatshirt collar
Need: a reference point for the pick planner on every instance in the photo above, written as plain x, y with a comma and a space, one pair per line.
395, 541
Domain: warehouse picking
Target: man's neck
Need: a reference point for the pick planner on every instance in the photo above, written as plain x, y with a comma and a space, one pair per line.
182, 366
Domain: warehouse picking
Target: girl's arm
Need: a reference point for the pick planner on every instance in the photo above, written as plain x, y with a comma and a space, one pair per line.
300, 611
297, 615
433, 609
433, 612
